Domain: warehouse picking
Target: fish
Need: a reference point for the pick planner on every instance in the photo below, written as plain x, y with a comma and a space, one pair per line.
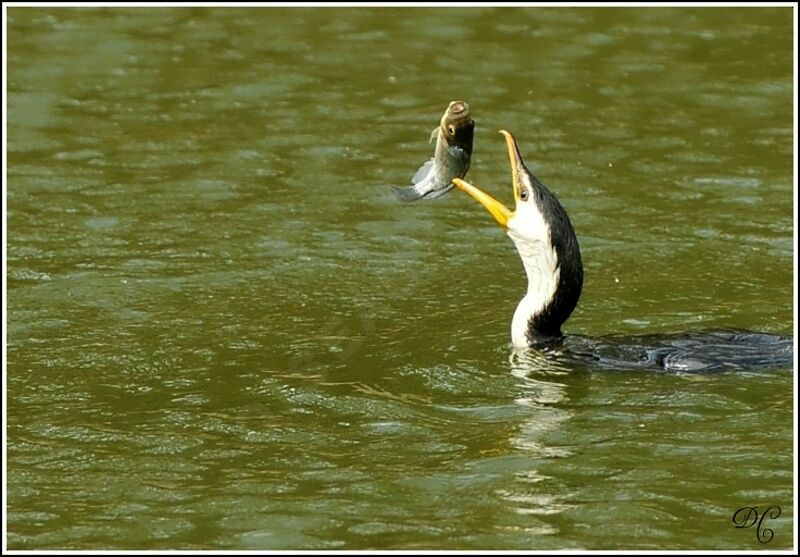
450, 160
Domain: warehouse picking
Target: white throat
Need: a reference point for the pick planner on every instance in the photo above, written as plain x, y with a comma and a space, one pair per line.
531, 236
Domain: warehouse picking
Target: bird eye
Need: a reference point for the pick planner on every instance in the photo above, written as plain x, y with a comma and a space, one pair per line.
523, 194
451, 130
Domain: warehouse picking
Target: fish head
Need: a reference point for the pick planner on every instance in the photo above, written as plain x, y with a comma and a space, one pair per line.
457, 127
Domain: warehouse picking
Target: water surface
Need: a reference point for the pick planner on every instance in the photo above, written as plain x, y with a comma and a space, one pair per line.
224, 332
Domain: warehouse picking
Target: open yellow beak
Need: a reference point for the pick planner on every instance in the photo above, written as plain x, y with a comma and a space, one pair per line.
515, 159
495, 208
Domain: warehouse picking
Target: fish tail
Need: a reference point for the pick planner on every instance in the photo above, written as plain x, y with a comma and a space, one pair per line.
435, 194
407, 194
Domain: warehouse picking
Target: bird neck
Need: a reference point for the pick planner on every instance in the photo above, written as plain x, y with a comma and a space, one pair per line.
532, 318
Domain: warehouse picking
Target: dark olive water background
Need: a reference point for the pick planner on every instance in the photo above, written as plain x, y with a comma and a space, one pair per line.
224, 332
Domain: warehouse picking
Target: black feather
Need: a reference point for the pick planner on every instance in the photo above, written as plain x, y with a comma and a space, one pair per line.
547, 323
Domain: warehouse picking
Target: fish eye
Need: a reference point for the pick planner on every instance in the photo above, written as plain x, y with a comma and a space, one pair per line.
523, 194
451, 130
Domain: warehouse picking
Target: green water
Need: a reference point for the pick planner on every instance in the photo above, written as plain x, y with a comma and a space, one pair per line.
224, 332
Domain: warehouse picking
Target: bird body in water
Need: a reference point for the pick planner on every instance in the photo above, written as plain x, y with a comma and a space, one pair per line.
548, 246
